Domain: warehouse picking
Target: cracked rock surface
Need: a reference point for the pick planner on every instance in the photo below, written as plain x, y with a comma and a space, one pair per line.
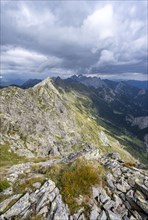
125, 196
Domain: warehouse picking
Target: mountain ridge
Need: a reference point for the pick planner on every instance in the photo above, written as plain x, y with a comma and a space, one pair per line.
60, 159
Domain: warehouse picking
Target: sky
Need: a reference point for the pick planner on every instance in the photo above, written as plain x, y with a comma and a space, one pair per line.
107, 39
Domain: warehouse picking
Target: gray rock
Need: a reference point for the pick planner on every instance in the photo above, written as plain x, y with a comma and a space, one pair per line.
95, 192
113, 216
132, 218
146, 183
133, 204
46, 194
130, 193
94, 212
122, 196
93, 155
137, 216
18, 207
103, 138
109, 180
58, 210
143, 205
109, 204
5, 203
127, 204
117, 172
121, 210
142, 188
7, 191
141, 122
102, 216
115, 156
77, 214
18, 169
131, 181
121, 188
125, 218
37, 185
117, 200
82, 217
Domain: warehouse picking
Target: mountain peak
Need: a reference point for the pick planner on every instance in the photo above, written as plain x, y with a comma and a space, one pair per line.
89, 81
46, 82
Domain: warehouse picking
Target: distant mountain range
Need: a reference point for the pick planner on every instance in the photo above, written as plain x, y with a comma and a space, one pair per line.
138, 84
30, 83
89, 81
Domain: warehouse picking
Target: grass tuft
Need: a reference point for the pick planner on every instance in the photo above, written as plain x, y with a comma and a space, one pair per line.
76, 179
4, 184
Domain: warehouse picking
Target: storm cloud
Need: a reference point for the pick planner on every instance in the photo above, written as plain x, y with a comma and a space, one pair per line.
107, 39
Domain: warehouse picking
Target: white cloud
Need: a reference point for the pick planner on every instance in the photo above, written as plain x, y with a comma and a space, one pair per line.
27, 17
106, 57
17, 59
123, 76
100, 24
46, 35
20, 56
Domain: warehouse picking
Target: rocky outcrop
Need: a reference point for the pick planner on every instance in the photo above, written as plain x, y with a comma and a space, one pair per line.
38, 121
141, 122
45, 201
103, 138
89, 81
123, 198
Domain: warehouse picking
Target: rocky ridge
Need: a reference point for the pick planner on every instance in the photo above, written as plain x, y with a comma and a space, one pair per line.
45, 120
35, 121
124, 196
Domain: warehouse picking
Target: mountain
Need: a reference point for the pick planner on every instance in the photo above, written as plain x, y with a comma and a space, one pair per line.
67, 105
119, 103
30, 83
9, 82
138, 84
43, 120
88, 81
64, 154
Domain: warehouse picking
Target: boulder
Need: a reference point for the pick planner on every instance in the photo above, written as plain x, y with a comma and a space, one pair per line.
109, 180
114, 156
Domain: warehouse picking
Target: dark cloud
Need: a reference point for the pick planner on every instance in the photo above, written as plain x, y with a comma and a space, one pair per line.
63, 38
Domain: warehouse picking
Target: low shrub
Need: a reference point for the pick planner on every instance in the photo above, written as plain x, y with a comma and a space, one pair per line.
24, 185
4, 184
129, 164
